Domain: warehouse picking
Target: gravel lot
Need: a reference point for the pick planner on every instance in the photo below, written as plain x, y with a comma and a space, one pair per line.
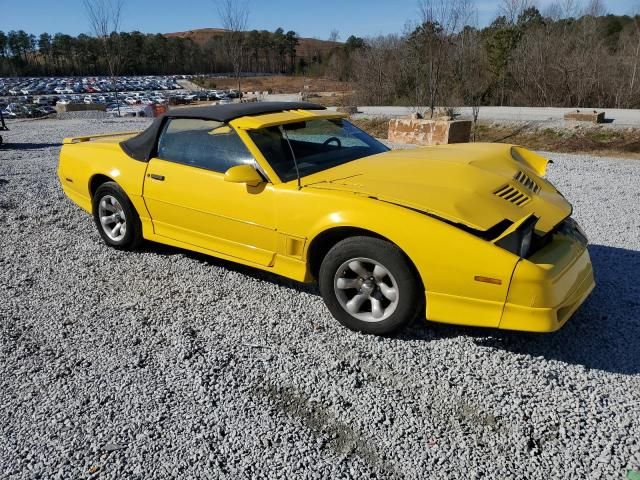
550, 116
167, 364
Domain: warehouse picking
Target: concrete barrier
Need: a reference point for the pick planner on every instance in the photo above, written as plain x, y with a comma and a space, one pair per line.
282, 97
80, 107
592, 116
419, 131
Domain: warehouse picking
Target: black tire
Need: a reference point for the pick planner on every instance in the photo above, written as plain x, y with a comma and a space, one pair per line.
402, 277
133, 231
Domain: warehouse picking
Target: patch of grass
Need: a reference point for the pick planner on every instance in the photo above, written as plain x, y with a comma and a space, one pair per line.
378, 127
275, 84
552, 132
593, 140
339, 99
603, 136
597, 141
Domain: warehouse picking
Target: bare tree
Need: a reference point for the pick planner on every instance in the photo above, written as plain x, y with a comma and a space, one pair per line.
234, 15
334, 35
377, 70
636, 54
432, 40
570, 8
512, 9
469, 64
104, 20
595, 8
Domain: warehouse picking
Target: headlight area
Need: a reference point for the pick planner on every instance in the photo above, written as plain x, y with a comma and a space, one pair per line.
522, 240
572, 229
551, 285
519, 238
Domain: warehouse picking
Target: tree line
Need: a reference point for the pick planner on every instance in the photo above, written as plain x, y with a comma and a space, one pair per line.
566, 56
523, 58
24, 54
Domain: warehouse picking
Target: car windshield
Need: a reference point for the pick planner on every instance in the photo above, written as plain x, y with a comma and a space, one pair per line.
316, 144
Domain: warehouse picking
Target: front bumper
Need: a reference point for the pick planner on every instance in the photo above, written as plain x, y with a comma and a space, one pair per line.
548, 287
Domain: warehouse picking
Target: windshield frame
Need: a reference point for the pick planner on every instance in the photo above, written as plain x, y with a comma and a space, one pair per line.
263, 159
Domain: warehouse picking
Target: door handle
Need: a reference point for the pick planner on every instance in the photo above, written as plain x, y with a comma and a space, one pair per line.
155, 176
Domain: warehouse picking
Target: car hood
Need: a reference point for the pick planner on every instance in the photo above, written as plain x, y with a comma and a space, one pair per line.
477, 185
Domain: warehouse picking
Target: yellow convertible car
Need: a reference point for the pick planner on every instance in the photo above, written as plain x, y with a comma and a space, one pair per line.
469, 234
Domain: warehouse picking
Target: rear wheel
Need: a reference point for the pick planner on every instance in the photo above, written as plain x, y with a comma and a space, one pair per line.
370, 286
116, 218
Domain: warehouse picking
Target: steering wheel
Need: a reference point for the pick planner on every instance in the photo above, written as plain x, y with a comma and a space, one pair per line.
332, 139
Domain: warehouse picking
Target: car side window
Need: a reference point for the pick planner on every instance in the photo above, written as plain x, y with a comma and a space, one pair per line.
204, 144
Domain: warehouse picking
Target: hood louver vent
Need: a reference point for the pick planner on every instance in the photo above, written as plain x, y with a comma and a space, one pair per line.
513, 195
526, 181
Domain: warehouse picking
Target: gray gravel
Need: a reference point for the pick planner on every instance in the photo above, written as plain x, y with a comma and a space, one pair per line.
167, 364
549, 115
82, 115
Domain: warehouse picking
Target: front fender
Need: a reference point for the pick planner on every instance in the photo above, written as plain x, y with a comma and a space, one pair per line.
447, 258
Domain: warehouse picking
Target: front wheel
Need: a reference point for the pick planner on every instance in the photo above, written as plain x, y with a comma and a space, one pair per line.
370, 286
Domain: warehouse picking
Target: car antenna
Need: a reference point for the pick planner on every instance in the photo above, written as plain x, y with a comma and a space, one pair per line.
295, 160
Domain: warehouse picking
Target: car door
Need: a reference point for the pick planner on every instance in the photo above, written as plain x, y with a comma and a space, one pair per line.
189, 200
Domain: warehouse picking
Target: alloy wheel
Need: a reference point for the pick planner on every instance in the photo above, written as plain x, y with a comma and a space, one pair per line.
366, 289
112, 218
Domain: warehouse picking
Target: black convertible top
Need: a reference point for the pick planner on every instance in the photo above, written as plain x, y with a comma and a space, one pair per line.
227, 112
141, 146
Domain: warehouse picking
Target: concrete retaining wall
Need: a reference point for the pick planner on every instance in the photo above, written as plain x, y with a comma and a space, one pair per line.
429, 132
592, 116
80, 107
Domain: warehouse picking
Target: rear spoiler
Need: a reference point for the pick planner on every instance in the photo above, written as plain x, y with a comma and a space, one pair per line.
70, 140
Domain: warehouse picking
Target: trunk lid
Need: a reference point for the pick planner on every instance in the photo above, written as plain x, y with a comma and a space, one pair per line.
102, 138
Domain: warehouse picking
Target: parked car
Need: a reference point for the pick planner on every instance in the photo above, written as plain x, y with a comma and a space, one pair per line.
467, 234
71, 85
47, 110
30, 111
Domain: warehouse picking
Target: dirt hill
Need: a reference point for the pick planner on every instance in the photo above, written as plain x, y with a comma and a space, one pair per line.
307, 48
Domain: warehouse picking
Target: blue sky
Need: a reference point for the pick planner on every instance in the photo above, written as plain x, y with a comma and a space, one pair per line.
309, 18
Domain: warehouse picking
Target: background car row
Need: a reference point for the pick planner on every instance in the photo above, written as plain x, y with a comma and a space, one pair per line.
30, 106
77, 85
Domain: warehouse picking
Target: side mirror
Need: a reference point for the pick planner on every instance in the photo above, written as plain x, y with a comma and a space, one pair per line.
243, 174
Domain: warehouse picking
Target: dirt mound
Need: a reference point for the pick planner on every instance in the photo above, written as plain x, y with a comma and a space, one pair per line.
308, 47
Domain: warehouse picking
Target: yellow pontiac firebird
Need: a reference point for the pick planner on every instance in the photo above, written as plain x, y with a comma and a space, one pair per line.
469, 234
